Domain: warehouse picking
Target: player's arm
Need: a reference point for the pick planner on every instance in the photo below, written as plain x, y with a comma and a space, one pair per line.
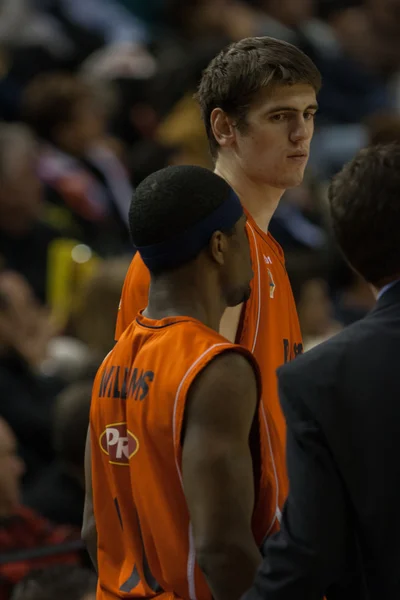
89, 531
218, 473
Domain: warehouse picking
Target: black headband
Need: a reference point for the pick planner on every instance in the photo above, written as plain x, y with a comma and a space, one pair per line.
186, 245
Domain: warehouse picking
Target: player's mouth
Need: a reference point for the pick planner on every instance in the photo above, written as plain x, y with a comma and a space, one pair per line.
299, 156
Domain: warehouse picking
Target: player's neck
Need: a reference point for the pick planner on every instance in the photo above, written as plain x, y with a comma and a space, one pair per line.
175, 295
259, 199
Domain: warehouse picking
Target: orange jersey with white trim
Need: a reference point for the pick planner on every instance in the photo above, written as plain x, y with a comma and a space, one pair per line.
145, 545
268, 327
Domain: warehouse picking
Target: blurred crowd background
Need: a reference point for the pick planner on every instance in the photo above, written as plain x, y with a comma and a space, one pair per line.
94, 96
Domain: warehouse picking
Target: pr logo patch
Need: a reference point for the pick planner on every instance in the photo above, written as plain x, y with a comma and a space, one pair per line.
118, 443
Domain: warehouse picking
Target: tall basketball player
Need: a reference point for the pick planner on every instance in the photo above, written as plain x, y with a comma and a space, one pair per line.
258, 101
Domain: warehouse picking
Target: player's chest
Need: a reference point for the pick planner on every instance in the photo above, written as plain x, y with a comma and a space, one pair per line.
271, 301
271, 330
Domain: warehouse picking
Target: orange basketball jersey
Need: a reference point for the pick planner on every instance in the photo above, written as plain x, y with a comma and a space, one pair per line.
269, 328
145, 544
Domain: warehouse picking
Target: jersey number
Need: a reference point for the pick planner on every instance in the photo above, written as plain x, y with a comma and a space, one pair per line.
297, 349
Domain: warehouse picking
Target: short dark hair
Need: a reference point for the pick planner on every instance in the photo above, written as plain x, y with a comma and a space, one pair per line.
63, 582
235, 76
364, 201
50, 101
172, 200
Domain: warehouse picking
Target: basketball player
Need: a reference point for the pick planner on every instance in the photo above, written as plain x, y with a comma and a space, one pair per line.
177, 449
258, 101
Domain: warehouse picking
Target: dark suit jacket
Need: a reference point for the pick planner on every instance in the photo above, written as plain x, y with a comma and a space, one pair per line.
340, 531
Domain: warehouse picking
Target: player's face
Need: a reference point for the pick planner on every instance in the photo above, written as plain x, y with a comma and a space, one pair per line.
239, 272
274, 147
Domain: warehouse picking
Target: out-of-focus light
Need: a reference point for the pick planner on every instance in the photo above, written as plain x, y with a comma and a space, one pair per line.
81, 253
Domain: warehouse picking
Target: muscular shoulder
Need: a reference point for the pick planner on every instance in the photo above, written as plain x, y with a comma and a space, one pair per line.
231, 370
224, 386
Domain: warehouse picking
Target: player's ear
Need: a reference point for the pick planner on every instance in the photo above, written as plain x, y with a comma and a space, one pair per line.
222, 128
218, 247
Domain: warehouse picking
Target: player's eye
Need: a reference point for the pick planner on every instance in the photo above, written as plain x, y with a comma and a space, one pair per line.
279, 117
309, 116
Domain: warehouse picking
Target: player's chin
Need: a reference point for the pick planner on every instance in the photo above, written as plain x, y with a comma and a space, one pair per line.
240, 296
246, 293
294, 178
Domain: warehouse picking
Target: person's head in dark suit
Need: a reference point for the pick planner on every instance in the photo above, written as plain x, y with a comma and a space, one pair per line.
364, 201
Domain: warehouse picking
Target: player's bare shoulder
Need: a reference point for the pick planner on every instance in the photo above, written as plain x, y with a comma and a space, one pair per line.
227, 389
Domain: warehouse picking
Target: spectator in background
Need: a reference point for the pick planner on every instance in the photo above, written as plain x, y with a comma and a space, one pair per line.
84, 178
298, 222
24, 237
149, 156
150, 11
223, 20
26, 396
308, 276
285, 19
59, 492
369, 33
383, 129
38, 36
22, 529
356, 85
12, 469
112, 22
94, 320
62, 582
356, 71
123, 37
183, 128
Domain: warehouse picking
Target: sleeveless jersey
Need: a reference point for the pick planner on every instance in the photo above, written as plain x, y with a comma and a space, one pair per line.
145, 545
268, 327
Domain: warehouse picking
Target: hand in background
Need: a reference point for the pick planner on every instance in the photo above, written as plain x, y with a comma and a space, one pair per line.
25, 325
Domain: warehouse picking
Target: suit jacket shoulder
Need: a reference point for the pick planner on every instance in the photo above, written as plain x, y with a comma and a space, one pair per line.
328, 377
